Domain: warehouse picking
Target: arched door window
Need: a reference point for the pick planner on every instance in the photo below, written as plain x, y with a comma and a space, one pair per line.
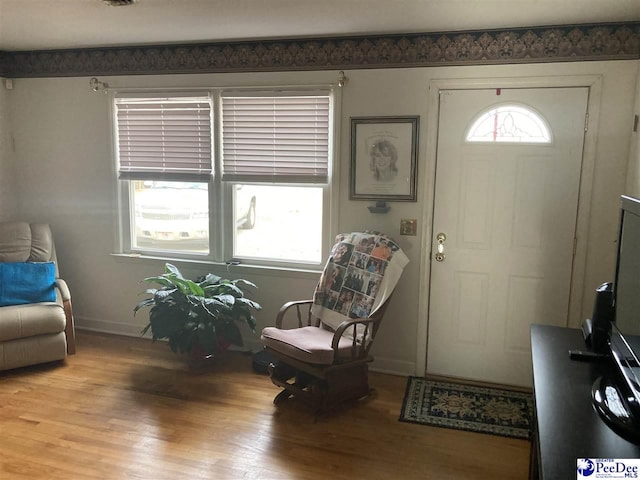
509, 123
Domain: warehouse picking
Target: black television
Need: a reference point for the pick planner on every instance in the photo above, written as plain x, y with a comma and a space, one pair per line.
617, 398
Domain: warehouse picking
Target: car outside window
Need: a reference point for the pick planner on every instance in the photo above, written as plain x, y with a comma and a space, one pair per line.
171, 216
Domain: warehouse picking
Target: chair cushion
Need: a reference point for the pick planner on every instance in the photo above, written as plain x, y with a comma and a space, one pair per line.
20, 321
307, 344
22, 242
15, 241
27, 282
31, 350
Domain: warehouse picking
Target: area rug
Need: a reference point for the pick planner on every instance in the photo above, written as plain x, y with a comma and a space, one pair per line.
465, 407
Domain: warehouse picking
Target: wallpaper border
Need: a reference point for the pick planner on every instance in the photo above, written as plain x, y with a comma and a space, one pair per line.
567, 43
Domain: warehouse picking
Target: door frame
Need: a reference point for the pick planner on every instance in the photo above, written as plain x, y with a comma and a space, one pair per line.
594, 84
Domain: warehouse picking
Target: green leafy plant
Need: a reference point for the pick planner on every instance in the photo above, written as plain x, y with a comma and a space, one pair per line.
200, 314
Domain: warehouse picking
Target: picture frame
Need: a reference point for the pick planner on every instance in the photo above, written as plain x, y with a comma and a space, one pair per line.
384, 154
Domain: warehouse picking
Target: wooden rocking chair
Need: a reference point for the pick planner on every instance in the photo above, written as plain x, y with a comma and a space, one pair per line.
324, 359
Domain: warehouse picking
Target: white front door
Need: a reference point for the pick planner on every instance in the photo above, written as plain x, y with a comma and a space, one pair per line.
507, 214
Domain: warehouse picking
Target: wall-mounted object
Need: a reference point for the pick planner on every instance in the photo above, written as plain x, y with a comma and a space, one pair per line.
384, 152
408, 227
342, 79
119, 3
379, 207
97, 86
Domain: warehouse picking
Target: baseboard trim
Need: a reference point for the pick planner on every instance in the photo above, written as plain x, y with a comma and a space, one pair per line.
393, 366
129, 330
101, 326
379, 365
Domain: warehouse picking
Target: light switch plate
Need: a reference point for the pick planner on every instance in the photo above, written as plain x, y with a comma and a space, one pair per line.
408, 227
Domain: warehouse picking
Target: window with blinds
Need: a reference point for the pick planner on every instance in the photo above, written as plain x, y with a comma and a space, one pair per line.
164, 138
275, 138
180, 199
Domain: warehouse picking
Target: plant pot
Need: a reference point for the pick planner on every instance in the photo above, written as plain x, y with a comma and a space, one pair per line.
200, 357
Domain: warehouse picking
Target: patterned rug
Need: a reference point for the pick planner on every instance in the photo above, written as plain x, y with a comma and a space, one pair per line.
465, 407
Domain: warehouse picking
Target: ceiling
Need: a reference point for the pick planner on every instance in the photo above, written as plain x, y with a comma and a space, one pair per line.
55, 24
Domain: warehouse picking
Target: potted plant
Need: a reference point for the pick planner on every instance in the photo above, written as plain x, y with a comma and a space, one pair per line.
200, 317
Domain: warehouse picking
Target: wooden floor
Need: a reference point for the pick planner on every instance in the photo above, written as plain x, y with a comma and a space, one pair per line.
126, 408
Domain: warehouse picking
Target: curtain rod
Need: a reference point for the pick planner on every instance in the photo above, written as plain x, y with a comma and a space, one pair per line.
97, 85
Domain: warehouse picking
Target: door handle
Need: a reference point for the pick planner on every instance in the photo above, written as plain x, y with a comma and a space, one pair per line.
440, 255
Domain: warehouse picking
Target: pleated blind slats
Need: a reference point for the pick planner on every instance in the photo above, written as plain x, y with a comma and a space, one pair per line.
275, 138
164, 138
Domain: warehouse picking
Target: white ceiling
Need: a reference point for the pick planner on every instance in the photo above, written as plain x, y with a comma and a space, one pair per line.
50, 24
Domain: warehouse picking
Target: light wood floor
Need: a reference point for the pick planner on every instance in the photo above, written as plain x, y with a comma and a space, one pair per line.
126, 408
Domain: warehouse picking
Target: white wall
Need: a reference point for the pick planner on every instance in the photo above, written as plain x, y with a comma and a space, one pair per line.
66, 178
8, 201
633, 177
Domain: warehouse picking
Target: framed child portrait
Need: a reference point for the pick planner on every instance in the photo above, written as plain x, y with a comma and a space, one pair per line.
384, 153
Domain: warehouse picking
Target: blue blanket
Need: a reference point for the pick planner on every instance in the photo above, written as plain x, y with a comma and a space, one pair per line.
27, 282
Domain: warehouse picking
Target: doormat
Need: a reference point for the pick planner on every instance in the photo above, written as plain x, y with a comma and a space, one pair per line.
465, 407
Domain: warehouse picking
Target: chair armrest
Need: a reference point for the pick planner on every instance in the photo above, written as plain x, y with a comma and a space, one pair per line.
70, 328
296, 303
61, 285
362, 348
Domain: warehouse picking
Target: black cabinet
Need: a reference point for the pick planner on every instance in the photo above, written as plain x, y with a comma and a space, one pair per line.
566, 425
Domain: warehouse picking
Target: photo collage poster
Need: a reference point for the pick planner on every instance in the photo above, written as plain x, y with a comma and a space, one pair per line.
354, 272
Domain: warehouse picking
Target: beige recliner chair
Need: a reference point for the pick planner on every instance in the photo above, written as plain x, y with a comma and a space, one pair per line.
41, 332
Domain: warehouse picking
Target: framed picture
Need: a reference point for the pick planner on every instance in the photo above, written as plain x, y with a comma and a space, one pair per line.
384, 153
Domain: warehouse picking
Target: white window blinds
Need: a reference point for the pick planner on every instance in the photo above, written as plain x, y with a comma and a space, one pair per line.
164, 138
275, 138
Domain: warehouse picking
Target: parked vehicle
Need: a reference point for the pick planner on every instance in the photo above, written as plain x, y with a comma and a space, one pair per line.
245, 206
178, 212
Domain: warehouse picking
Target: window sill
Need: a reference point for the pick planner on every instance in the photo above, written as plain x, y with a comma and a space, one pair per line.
220, 268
